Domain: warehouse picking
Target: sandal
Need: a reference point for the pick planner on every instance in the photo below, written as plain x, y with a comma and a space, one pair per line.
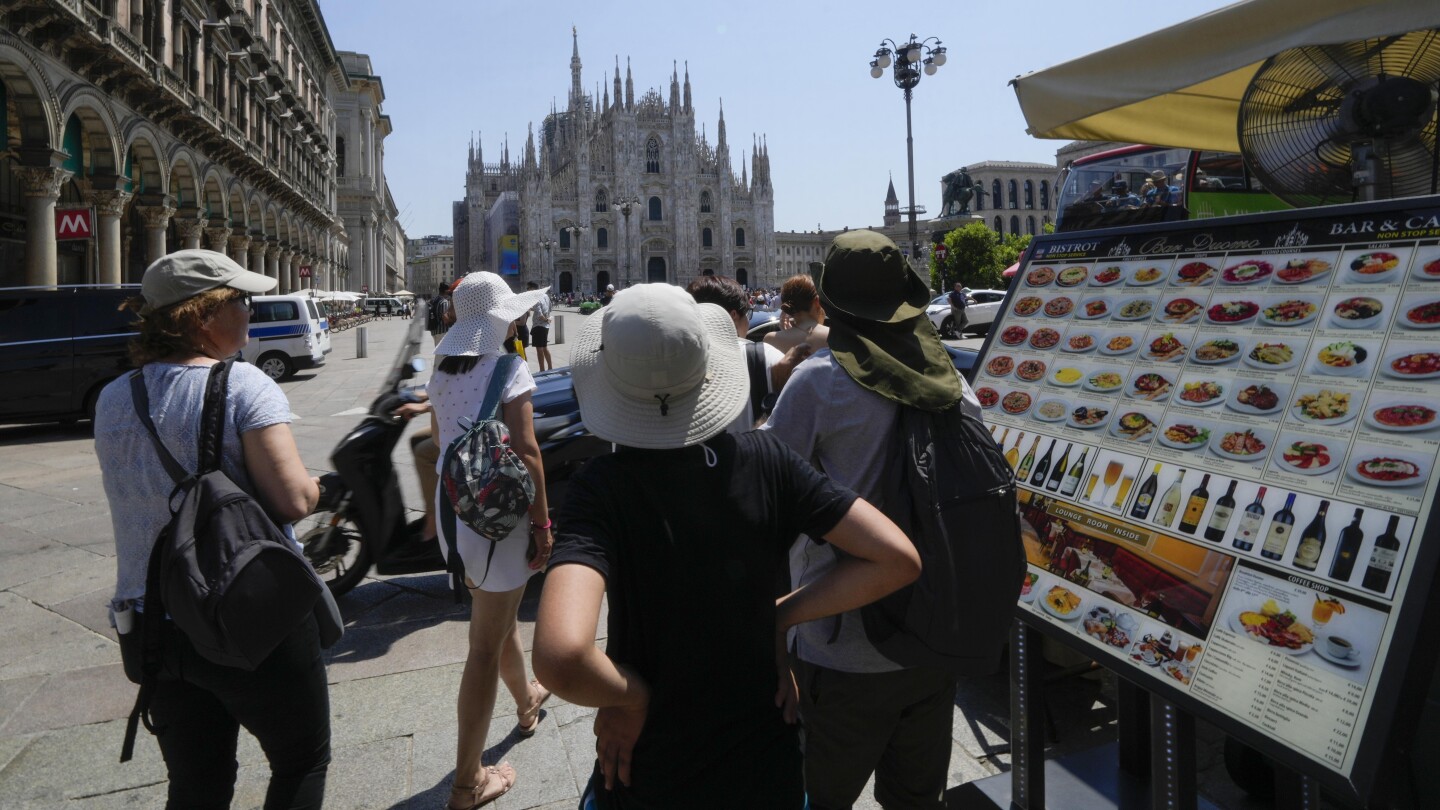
478, 797
527, 730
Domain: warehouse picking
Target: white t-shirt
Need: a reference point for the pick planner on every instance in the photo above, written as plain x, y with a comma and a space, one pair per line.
746, 420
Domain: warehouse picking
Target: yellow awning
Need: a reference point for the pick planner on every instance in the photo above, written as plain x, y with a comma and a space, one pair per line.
1181, 86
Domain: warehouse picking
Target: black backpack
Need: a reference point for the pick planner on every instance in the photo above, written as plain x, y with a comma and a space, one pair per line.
221, 569
435, 315
762, 402
953, 493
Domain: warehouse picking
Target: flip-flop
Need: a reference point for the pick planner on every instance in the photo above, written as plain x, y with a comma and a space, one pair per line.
478, 799
529, 731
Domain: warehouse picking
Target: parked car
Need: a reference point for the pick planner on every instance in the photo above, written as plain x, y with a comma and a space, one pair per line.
287, 333
980, 311
59, 346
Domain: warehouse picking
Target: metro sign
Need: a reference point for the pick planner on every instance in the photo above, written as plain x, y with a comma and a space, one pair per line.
74, 223
304, 271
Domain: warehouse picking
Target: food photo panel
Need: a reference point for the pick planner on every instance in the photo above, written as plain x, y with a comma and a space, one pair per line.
1304, 269
1134, 308
1289, 310
1426, 266
1147, 272
1350, 312
1308, 459
1182, 308
1251, 397
1419, 308
1164, 345
1247, 271
1389, 475
1344, 359
1196, 271
1203, 388
1135, 423
1374, 267
1217, 347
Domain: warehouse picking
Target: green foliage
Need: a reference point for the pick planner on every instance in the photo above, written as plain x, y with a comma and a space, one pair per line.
974, 258
1010, 249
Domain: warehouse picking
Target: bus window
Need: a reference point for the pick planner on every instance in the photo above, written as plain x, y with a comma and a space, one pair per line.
1221, 186
1123, 186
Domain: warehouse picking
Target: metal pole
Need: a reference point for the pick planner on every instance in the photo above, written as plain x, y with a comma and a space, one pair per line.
1027, 734
910, 165
1172, 758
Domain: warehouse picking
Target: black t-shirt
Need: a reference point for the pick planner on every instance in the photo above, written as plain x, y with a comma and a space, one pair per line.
689, 554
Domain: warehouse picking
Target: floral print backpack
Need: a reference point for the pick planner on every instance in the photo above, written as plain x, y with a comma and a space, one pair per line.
487, 487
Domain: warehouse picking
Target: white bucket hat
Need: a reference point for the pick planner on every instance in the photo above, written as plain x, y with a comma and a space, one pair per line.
658, 371
484, 307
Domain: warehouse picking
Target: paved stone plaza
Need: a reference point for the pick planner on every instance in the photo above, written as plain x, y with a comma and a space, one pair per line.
393, 678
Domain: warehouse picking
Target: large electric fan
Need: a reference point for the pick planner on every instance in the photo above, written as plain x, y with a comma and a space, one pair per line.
1328, 124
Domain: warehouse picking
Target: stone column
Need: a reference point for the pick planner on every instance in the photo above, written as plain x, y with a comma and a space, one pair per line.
109, 206
283, 268
40, 186
257, 255
272, 260
238, 247
190, 230
216, 237
295, 261
157, 219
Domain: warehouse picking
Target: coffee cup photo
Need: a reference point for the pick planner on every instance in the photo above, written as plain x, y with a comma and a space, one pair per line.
1339, 647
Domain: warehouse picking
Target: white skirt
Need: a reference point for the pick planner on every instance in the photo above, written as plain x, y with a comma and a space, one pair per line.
506, 571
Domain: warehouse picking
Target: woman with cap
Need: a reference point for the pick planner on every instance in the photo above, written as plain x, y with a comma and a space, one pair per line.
194, 312
684, 527
485, 310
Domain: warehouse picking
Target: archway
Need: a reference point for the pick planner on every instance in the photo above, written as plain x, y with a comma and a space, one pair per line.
567, 283
655, 270
602, 280
742, 276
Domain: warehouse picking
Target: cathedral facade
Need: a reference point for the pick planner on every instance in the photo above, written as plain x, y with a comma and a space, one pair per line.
618, 190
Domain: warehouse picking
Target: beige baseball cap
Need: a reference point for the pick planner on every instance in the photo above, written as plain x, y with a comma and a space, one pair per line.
176, 276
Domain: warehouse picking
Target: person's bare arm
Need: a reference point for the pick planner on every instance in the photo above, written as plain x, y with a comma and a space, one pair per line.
567, 661
781, 371
282, 484
519, 415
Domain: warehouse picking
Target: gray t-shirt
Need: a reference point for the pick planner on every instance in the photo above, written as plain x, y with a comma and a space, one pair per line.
848, 433
136, 484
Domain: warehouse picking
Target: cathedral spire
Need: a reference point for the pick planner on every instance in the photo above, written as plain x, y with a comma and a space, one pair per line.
720, 146
674, 87
688, 108
617, 80
575, 92
629, 88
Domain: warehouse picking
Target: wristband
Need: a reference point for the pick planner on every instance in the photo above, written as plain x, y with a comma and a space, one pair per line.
534, 525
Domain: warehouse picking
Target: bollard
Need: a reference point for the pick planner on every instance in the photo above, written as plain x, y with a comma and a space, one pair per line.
360, 349
559, 329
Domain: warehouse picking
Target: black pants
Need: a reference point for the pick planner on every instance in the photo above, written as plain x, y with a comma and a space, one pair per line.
200, 706
896, 725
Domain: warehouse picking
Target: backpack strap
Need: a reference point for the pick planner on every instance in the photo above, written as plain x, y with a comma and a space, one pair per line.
141, 399
759, 387
212, 416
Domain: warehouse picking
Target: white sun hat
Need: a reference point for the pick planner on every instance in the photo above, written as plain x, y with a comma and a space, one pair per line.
484, 307
656, 370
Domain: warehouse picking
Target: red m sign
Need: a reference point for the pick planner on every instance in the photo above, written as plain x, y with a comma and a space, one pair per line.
74, 223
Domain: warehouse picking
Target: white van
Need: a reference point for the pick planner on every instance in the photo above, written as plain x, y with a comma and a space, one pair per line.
287, 333
382, 306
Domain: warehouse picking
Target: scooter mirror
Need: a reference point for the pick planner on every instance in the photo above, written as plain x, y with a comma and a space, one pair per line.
417, 364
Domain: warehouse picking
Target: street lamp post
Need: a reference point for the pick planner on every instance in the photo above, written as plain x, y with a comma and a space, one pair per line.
909, 58
549, 245
625, 206
575, 231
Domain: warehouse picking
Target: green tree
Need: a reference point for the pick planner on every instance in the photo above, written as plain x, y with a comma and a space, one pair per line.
1009, 250
972, 258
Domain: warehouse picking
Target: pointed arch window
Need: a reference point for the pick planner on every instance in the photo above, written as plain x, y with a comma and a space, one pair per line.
705, 207
652, 155
707, 239
1014, 194
1030, 194
602, 201
655, 209
602, 238
739, 237
1045, 194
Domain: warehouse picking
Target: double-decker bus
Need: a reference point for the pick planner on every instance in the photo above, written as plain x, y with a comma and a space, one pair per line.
1109, 189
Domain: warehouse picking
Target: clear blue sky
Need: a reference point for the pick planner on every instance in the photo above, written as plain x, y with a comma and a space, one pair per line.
797, 72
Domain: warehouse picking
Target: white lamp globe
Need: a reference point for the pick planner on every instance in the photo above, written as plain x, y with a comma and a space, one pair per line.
876, 72
883, 60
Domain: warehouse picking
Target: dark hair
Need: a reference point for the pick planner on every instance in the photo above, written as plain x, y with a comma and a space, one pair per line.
175, 329
721, 290
530, 285
797, 295
444, 288
458, 364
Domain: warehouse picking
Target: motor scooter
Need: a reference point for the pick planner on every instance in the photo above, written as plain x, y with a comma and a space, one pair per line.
359, 522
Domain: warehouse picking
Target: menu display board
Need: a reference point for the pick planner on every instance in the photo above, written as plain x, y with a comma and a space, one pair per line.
1227, 434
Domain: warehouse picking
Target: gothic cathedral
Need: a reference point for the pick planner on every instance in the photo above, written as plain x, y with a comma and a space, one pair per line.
618, 192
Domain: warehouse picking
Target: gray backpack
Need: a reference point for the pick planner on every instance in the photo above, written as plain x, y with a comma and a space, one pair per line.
221, 570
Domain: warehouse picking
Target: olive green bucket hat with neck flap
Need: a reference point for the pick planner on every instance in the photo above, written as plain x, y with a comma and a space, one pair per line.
879, 332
